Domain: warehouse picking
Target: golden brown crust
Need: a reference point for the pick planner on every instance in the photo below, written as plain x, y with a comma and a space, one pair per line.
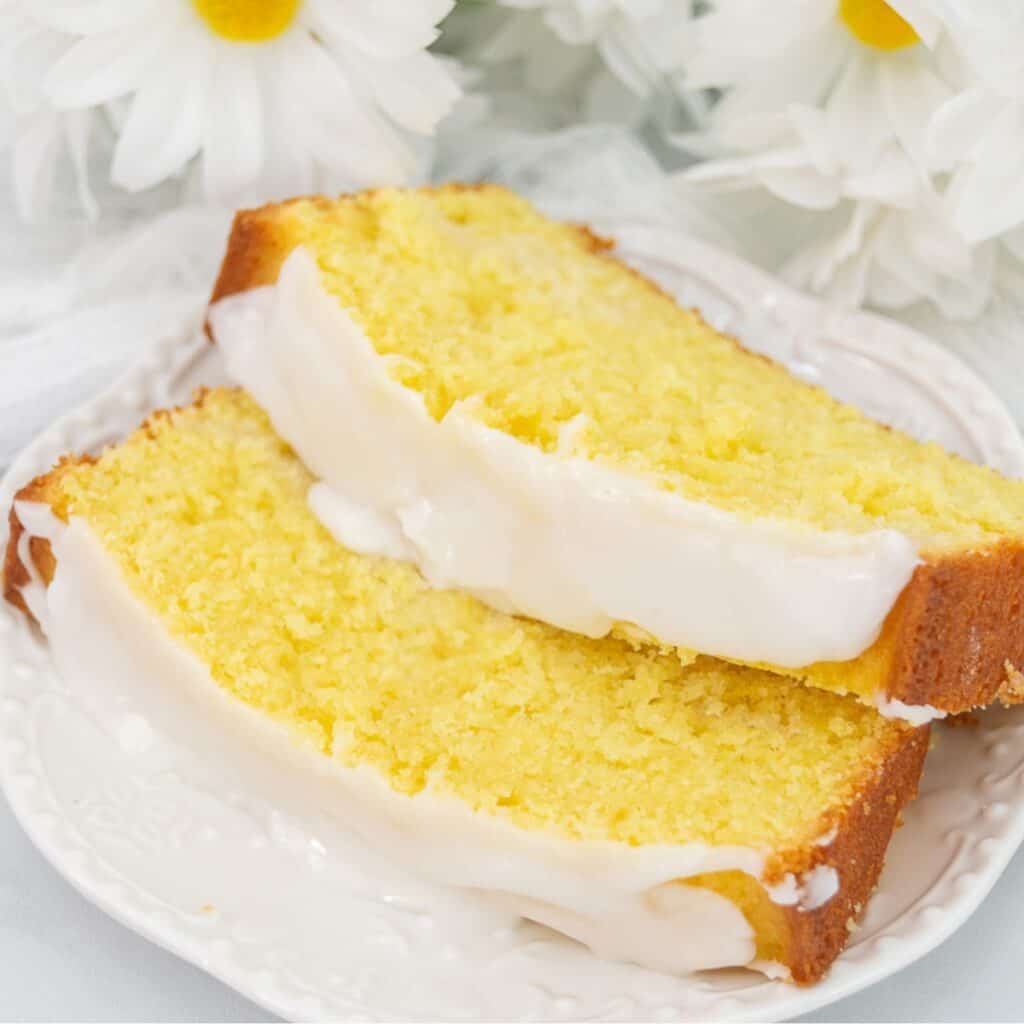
949, 635
955, 627
15, 573
254, 255
857, 852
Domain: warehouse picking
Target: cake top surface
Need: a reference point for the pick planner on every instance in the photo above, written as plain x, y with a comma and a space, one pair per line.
205, 512
475, 295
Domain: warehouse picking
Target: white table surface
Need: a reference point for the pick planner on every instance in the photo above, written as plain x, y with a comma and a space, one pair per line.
63, 959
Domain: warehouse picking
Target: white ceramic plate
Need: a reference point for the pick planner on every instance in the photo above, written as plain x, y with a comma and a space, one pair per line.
222, 877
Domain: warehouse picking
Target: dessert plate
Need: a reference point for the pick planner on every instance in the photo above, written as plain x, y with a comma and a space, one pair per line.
174, 840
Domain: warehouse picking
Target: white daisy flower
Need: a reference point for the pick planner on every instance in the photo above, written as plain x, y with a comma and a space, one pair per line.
38, 137
274, 96
828, 109
825, 97
978, 135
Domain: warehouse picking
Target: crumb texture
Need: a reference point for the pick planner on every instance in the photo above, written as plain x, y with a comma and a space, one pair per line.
476, 296
204, 510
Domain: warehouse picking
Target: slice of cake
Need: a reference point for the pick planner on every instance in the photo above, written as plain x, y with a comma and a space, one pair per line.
684, 817
489, 394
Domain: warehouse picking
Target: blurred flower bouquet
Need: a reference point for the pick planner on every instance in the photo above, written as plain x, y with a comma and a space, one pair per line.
872, 151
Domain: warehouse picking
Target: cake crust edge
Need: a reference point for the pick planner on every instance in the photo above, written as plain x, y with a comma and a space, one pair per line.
16, 574
857, 853
955, 628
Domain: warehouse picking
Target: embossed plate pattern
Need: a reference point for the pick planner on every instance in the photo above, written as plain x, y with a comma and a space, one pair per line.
222, 877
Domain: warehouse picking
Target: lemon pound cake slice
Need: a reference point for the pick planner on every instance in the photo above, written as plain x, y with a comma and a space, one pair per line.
489, 394
682, 817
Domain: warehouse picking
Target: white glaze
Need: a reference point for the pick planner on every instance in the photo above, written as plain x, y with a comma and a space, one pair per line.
551, 536
810, 891
618, 899
914, 714
363, 529
828, 838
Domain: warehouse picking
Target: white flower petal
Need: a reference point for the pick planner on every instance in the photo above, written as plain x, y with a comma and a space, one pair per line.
988, 31
920, 254
803, 75
892, 179
886, 290
757, 32
233, 129
857, 118
27, 52
802, 186
291, 124
414, 91
814, 129
852, 239
987, 195
346, 137
787, 174
361, 148
728, 174
91, 17
842, 130
385, 28
100, 68
922, 16
957, 127
750, 133
164, 129
837, 265
911, 93
289, 168
931, 240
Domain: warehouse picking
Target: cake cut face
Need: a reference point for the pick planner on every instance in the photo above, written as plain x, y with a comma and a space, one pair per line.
572, 743
475, 296
491, 315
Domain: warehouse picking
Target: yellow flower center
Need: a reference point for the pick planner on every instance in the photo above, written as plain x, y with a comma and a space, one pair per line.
876, 24
247, 21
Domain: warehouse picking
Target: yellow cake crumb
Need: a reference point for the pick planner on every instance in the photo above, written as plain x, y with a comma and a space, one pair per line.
483, 298
205, 512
